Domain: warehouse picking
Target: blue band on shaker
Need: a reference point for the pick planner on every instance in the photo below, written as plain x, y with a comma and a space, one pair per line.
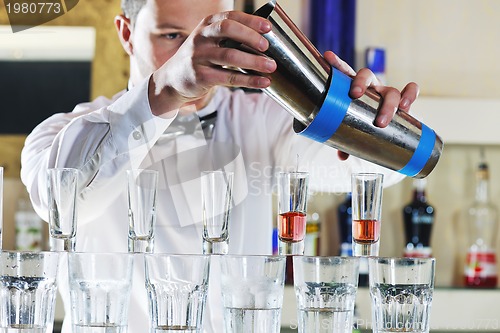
421, 154
333, 110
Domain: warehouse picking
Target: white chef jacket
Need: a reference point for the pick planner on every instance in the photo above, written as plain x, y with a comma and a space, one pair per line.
253, 137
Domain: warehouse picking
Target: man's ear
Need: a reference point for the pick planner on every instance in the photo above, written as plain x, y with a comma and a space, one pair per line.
124, 29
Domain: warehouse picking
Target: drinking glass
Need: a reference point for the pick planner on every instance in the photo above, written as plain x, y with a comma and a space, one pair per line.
142, 188
401, 290
216, 200
28, 291
292, 206
177, 287
62, 194
366, 213
325, 288
252, 293
100, 285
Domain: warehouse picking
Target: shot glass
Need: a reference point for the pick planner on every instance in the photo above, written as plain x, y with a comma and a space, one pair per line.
216, 200
99, 285
366, 213
62, 194
142, 188
325, 288
177, 287
252, 293
401, 290
292, 207
28, 291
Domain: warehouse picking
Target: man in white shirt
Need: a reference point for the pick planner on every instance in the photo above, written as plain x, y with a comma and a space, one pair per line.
176, 77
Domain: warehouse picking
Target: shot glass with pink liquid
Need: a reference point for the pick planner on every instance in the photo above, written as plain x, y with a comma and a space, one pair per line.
366, 213
292, 206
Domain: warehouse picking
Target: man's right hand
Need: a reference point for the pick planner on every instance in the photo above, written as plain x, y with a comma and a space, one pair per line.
197, 67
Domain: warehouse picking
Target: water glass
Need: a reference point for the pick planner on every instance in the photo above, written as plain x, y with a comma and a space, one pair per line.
366, 212
177, 287
216, 201
100, 285
401, 290
325, 288
252, 293
62, 194
28, 291
142, 189
292, 207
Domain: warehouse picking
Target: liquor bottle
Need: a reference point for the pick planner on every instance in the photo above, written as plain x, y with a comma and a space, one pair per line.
29, 236
344, 214
418, 218
249, 6
480, 266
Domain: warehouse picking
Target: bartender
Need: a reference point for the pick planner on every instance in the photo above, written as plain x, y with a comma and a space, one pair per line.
180, 117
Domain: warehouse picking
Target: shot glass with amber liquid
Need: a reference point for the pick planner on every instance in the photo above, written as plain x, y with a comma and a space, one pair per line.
366, 213
292, 206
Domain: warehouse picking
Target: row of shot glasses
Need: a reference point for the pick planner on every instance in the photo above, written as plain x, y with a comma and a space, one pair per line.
252, 286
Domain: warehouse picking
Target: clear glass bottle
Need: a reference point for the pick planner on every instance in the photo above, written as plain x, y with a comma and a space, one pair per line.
29, 227
418, 218
482, 219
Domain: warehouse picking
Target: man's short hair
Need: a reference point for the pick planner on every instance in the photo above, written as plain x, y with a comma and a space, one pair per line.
131, 8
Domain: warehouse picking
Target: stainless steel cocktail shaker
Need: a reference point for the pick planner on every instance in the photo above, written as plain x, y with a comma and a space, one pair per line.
317, 95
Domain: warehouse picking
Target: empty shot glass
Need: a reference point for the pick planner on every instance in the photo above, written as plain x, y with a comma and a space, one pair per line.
216, 201
367, 191
142, 189
62, 195
28, 291
252, 293
292, 207
401, 291
325, 288
177, 286
100, 285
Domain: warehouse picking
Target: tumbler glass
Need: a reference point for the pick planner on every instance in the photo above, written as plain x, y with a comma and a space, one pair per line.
177, 287
28, 291
100, 285
252, 293
325, 288
401, 290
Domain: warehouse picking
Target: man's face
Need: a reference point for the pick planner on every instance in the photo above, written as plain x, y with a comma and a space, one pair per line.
163, 25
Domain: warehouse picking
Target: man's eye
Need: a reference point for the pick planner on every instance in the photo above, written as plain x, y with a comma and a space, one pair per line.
171, 35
